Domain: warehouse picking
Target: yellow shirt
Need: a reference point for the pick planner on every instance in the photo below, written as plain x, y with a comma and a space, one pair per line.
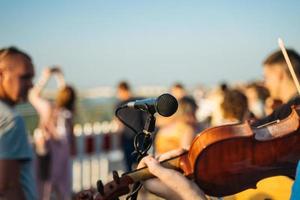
173, 136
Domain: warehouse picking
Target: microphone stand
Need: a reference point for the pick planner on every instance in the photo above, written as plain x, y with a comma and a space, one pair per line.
150, 124
142, 143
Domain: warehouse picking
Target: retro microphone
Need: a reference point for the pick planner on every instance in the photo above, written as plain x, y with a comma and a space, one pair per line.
165, 105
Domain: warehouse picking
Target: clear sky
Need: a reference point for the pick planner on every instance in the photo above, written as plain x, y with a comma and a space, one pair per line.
150, 42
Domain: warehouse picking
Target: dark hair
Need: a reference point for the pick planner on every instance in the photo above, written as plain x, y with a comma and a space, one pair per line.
224, 87
187, 105
66, 98
261, 91
278, 58
12, 51
235, 104
178, 85
124, 85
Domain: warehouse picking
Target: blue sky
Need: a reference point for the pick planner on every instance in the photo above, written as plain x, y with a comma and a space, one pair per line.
150, 42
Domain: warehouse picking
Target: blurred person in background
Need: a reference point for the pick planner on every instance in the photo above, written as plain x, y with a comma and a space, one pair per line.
16, 155
55, 141
213, 104
257, 95
182, 130
234, 107
178, 90
224, 87
133, 117
271, 105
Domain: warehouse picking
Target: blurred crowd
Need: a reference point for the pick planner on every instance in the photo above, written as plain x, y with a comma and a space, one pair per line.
44, 171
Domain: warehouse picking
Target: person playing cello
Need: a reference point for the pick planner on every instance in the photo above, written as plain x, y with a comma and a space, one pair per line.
171, 184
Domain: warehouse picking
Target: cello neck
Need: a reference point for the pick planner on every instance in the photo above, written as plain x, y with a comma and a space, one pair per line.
120, 185
142, 174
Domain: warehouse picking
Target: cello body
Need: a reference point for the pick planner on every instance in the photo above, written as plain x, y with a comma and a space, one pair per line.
232, 158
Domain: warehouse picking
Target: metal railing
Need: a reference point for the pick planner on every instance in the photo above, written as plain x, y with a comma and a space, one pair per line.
97, 153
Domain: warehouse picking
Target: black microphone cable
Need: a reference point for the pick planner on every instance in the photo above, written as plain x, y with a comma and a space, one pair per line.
142, 144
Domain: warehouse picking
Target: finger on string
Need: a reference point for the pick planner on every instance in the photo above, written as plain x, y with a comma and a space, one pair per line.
142, 163
170, 154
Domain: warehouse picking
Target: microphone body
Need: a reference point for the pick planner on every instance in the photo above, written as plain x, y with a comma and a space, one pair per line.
165, 105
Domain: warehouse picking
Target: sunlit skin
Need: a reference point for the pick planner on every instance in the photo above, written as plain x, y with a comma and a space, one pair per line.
279, 83
16, 73
123, 94
177, 92
163, 185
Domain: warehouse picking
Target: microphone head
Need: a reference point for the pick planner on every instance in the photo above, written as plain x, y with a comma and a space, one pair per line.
166, 105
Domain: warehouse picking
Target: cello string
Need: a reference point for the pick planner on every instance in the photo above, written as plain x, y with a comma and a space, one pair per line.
289, 64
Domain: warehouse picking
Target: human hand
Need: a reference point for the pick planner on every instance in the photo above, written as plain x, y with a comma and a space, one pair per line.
56, 69
40, 142
46, 72
51, 70
155, 185
169, 184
